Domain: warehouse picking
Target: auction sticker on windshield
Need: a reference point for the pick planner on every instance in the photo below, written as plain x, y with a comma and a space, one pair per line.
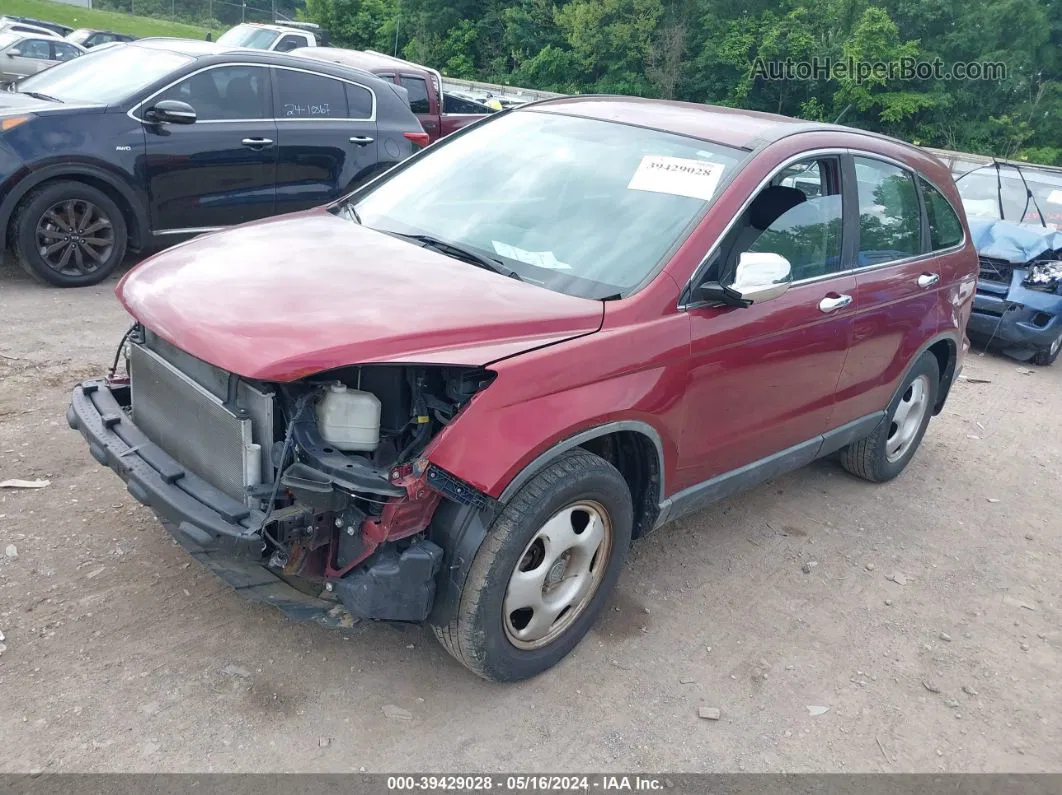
679, 176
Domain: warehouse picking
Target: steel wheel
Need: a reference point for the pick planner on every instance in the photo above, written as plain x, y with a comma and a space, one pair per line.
907, 419
74, 237
558, 574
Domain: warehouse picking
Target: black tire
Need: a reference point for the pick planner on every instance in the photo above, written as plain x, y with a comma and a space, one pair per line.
869, 458
1045, 357
478, 636
81, 269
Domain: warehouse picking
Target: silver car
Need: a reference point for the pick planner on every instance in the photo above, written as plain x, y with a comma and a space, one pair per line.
23, 54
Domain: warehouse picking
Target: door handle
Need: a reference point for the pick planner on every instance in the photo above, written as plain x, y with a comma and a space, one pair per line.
928, 280
257, 143
834, 302
361, 140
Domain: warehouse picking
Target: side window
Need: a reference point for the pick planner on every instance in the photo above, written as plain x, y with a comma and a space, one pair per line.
289, 43
889, 219
418, 94
805, 177
227, 93
308, 96
797, 216
452, 104
359, 102
945, 230
808, 235
65, 52
34, 48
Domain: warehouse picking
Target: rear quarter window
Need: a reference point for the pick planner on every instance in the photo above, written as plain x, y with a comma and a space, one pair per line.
945, 229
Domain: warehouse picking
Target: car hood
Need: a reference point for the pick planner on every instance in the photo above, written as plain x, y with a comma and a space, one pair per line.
15, 103
1011, 242
286, 298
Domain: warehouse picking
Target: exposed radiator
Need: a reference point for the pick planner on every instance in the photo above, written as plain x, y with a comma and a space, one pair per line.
228, 448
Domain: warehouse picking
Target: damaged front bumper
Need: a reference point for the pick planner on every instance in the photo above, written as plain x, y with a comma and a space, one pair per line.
388, 582
1015, 315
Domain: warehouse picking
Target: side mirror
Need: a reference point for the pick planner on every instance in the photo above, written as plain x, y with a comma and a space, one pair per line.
171, 111
13, 53
758, 277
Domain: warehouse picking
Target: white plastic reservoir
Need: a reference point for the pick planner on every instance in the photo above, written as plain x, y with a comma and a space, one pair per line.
348, 418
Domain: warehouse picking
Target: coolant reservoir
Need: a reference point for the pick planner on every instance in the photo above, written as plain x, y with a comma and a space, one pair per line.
349, 418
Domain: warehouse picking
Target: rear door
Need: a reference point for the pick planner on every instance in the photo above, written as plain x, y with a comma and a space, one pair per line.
904, 279
423, 103
221, 170
64, 51
327, 137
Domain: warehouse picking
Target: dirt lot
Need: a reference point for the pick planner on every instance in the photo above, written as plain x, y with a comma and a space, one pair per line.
121, 655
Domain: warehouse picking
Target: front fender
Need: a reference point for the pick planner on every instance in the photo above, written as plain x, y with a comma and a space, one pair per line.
548, 401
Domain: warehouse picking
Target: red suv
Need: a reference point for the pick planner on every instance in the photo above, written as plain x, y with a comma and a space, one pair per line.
458, 394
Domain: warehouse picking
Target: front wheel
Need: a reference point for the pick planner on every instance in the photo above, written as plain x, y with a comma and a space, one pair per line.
69, 234
544, 571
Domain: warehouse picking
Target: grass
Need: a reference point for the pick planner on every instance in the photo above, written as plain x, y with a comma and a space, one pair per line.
102, 20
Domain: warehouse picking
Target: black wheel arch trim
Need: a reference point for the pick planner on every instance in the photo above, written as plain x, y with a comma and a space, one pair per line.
581, 438
948, 374
73, 171
461, 529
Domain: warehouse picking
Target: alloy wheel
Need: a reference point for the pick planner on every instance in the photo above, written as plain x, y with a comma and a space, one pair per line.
74, 237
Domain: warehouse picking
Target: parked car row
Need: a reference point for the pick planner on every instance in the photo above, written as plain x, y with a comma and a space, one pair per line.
138, 144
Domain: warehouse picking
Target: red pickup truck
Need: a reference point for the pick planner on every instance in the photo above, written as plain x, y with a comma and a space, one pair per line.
424, 86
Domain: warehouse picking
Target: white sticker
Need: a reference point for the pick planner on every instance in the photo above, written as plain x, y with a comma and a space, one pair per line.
541, 259
678, 176
1055, 197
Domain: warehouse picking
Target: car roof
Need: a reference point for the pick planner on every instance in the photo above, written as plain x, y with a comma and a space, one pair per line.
359, 59
744, 129
213, 52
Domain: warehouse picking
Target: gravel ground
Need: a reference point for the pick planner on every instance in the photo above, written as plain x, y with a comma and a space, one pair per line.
836, 625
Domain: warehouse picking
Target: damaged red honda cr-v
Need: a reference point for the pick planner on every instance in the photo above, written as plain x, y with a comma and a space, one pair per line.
456, 396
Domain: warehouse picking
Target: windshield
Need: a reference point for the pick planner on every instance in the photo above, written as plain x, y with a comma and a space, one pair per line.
580, 206
248, 36
105, 76
981, 193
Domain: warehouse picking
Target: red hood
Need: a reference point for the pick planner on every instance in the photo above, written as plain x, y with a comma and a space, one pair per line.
286, 298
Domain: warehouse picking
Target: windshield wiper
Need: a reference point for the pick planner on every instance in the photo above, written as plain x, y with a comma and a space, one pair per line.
461, 253
39, 95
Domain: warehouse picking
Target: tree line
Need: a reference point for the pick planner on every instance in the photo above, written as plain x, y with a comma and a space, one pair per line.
716, 52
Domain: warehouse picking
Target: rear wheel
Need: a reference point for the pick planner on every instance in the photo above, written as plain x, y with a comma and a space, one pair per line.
886, 452
1047, 356
544, 571
69, 234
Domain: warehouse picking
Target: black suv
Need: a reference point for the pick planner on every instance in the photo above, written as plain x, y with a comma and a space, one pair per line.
141, 143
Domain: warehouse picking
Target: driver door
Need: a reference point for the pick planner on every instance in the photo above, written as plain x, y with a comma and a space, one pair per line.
763, 378
222, 169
